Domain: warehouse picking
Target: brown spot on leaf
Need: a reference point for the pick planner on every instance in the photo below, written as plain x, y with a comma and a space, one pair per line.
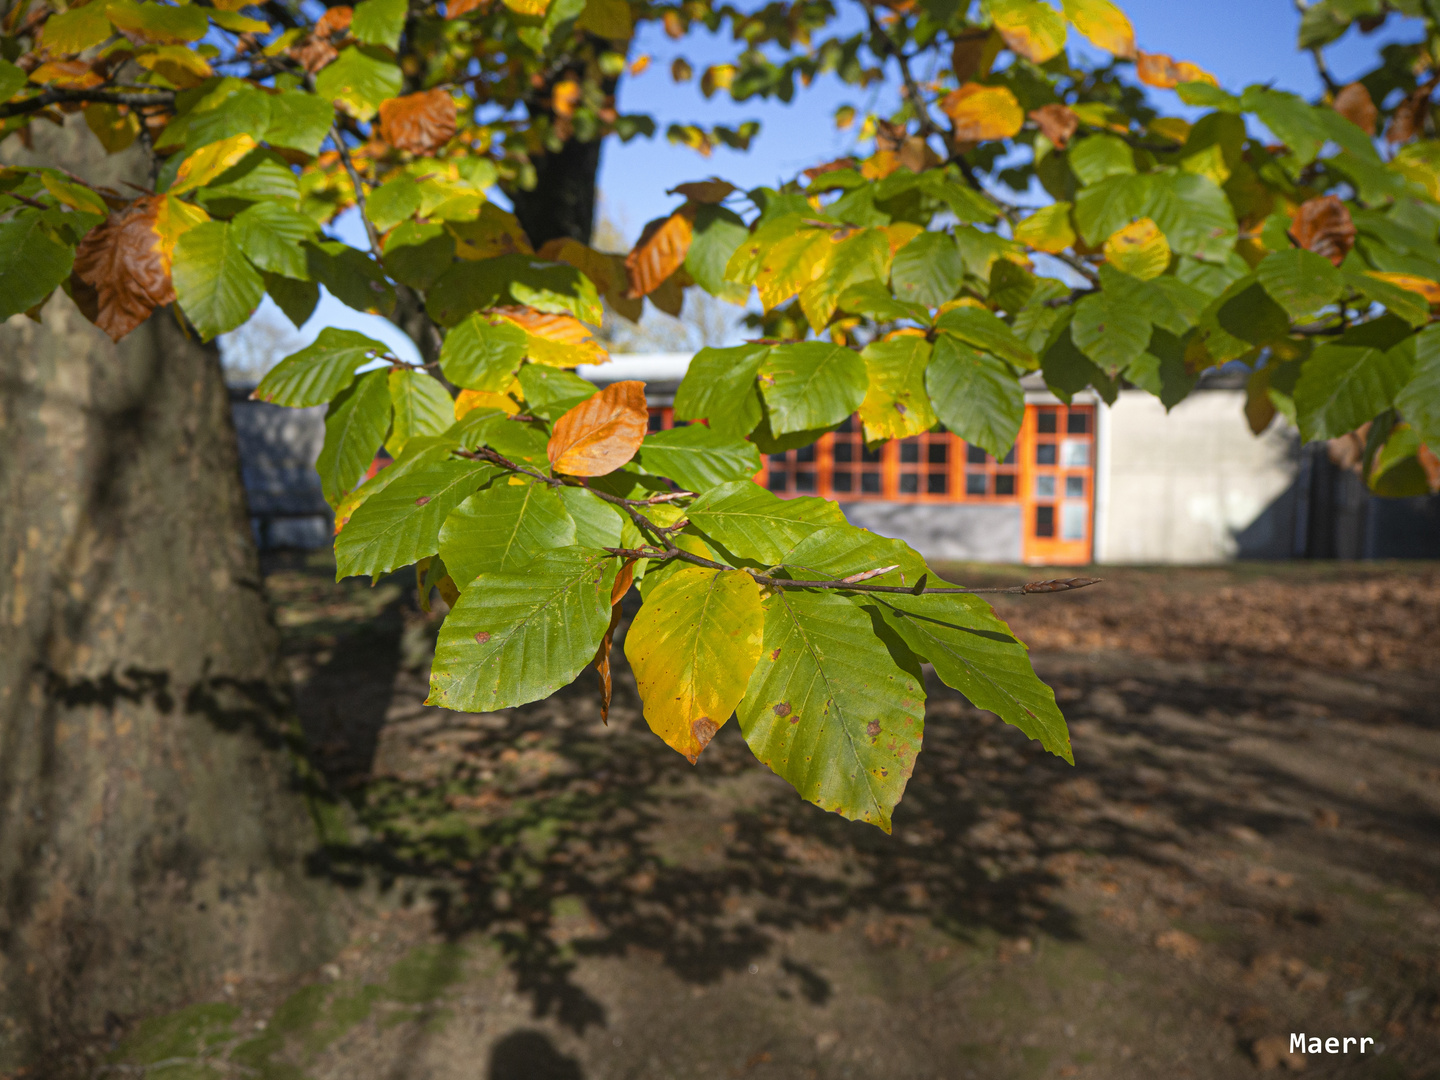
482, 636
783, 709
872, 728
702, 730
774, 654
422, 500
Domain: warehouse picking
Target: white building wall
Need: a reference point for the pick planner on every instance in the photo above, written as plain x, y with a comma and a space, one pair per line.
1180, 488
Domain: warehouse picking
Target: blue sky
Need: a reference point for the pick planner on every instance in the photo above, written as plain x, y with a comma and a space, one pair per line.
1239, 41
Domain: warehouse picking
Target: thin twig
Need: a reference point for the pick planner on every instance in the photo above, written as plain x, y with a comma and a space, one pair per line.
358, 185
912, 88
60, 96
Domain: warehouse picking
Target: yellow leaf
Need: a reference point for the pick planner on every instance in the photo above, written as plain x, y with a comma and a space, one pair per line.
792, 264
173, 219
896, 404
76, 30
879, 165
692, 647
1209, 162
1104, 24
596, 265
178, 64
1171, 127
1139, 249
1048, 229
900, 234
555, 340
493, 232
75, 196
1099, 115
210, 161
564, 97
1166, 73
1430, 290
610, 19
980, 112
470, 400
527, 7
1031, 29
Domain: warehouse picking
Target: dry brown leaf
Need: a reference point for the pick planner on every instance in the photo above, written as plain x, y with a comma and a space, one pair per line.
313, 53
1166, 73
1408, 120
967, 55
1323, 225
660, 251
982, 112
623, 580
709, 191
1353, 102
602, 433
916, 155
674, 25
1056, 122
121, 263
831, 166
335, 20
421, 123
890, 136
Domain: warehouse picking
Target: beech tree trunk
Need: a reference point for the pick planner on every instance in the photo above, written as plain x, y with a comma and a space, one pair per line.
153, 833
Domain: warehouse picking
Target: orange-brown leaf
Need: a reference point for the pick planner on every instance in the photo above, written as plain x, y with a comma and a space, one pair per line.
595, 265
983, 112
1056, 122
565, 97
455, 8
1166, 73
1353, 102
602, 657
122, 262
69, 74
335, 20
623, 580
1409, 118
660, 252
1427, 288
421, 123
967, 54
710, 191
1323, 225
1431, 464
831, 166
602, 432
313, 53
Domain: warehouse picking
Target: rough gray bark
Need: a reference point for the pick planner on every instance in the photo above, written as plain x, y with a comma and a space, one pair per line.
152, 830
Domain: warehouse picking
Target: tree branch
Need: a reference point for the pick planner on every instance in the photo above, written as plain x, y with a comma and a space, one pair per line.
60, 95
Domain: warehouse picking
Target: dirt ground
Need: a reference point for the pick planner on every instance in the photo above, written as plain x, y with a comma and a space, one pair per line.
1248, 847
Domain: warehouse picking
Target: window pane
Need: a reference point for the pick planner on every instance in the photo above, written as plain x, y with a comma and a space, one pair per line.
843, 451
870, 483
680, 423
870, 457
847, 425
655, 423
909, 483
937, 453
1078, 423
1009, 457
1045, 422
842, 480
777, 481
1044, 521
778, 459
1004, 483
1074, 487
975, 483
974, 455
937, 483
1075, 453
1044, 487
805, 481
1072, 521
805, 453
1045, 453
909, 452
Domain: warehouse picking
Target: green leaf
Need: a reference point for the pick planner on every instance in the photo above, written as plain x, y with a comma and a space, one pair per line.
1066, 369
550, 392
811, 384
873, 299
228, 110
358, 80
830, 710
754, 524
1110, 330
518, 636
417, 253
75, 30
32, 263
597, 523
1194, 214
297, 299
299, 122
515, 439
719, 386
503, 528
355, 426
422, 407
1410, 306
1161, 369
422, 452
159, 23
986, 331
270, 235
1419, 401
1300, 281
861, 257
975, 652
838, 551
928, 270
401, 524
379, 22
1246, 312
1111, 204
1344, 384
352, 276
692, 647
481, 355
471, 286
12, 79
1290, 118
698, 458
1094, 158
896, 405
319, 371
214, 282
261, 176
393, 202
718, 233
975, 395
